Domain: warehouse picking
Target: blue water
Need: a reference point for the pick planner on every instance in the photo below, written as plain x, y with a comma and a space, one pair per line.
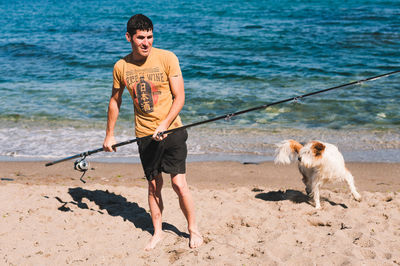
56, 61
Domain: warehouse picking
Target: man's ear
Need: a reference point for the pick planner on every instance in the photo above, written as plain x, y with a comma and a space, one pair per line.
128, 37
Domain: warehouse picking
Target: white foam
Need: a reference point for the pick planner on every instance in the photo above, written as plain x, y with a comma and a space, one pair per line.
36, 142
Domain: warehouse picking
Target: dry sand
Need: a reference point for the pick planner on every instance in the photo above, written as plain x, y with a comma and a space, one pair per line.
249, 214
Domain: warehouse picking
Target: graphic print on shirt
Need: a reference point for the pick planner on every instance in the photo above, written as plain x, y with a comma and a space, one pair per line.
144, 95
144, 91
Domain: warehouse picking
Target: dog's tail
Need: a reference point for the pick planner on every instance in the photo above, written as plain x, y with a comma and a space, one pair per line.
287, 151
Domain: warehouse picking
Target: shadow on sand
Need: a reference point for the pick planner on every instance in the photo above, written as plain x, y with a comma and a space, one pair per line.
115, 205
294, 196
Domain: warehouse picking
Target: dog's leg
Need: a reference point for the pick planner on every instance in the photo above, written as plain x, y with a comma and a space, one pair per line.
313, 187
350, 181
305, 181
316, 196
308, 187
308, 175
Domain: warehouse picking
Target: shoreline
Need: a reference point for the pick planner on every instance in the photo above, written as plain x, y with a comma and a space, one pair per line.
221, 143
355, 156
374, 177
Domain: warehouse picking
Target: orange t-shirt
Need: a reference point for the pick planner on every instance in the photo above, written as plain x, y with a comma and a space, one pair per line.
148, 85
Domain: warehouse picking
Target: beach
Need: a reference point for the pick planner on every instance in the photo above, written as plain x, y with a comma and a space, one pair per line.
248, 213
57, 64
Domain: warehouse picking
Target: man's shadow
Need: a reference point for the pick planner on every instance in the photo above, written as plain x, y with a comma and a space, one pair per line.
116, 205
294, 196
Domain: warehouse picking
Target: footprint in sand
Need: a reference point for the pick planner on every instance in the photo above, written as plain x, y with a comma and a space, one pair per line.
368, 254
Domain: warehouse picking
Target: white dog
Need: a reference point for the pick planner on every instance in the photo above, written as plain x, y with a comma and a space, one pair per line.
319, 163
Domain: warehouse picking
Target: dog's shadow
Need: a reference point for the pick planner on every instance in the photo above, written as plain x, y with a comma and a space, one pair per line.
294, 196
116, 205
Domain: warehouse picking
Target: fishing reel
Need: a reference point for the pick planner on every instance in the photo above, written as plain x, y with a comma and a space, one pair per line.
81, 165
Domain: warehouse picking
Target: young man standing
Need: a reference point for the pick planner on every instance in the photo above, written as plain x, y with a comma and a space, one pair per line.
154, 80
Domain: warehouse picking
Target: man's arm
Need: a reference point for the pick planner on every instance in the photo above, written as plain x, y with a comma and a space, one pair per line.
112, 116
178, 91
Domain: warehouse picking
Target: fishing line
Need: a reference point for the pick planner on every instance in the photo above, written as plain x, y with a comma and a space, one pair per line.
83, 155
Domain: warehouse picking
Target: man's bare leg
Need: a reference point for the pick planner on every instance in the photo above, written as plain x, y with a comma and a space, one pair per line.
186, 203
156, 208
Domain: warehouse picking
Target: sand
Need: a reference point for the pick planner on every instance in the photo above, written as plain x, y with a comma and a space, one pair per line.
249, 214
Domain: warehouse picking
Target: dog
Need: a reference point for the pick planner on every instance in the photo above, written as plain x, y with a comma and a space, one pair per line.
319, 162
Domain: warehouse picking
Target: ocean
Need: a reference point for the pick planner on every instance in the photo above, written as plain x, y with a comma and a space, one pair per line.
56, 61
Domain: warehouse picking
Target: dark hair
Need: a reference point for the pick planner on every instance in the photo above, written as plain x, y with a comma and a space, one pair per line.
138, 22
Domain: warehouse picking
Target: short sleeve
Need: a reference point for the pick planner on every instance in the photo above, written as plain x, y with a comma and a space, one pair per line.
173, 68
118, 77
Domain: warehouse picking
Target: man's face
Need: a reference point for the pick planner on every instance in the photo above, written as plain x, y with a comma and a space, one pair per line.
141, 43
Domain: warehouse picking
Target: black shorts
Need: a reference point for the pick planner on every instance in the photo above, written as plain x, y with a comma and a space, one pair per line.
168, 155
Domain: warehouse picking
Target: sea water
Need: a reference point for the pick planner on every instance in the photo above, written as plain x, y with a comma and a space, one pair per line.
56, 61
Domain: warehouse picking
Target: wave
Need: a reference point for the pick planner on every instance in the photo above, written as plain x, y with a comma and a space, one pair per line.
227, 142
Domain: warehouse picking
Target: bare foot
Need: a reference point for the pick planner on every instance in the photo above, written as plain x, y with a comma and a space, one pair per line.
195, 239
154, 241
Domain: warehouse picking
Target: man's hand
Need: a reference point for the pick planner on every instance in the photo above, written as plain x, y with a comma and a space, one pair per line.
161, 128
109, 141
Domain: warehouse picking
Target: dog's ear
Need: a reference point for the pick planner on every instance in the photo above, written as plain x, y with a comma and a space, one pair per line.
295, 146
318, 149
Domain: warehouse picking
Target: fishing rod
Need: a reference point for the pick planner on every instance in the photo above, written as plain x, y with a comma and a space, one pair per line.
82, 165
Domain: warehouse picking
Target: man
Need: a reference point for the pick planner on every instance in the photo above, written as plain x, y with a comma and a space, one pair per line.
154, 80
